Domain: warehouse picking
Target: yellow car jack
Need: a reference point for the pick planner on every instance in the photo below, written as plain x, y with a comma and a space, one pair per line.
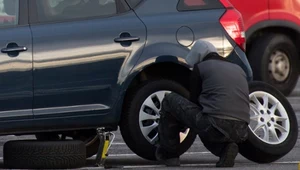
106, 139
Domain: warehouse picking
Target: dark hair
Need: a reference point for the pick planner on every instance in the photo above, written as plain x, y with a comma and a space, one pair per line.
214, 56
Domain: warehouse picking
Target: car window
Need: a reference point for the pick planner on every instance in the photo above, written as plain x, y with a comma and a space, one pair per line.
9, 12
189, 5
58, 10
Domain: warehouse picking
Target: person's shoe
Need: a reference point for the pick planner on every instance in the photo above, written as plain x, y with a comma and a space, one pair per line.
228, 155
168, 161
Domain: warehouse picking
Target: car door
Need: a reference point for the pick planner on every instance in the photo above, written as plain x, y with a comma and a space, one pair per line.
16, 92
79, 50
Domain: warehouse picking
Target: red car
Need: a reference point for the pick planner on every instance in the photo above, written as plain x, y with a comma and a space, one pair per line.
273, 37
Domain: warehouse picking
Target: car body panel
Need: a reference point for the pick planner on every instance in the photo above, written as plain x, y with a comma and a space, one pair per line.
16, 92
285, 10
162, 34
83, 64
260, 14
81, 76
252, 11
162, 30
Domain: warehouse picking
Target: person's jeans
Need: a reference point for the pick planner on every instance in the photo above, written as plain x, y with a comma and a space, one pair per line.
215, 133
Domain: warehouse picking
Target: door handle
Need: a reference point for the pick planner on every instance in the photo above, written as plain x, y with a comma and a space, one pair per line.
13, 49
127, 39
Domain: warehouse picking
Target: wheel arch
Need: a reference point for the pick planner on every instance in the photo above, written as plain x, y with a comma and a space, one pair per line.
288, 28
260, 37
170, 67
162, 67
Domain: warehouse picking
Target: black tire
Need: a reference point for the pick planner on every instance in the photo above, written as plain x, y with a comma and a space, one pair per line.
33, 154
91, 145
258, 151
260, 54
129, 125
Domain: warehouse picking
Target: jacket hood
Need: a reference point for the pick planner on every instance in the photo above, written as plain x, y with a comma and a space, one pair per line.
199, 51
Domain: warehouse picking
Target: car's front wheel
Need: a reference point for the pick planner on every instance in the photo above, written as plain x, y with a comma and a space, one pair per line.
140, 118
273, 128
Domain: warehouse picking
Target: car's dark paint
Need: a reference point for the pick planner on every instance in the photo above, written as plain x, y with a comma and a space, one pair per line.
16, 92
77, 75
134, 3
86, 66
238, 56
23, 14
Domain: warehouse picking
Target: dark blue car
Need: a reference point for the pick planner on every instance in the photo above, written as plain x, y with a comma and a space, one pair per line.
68, 67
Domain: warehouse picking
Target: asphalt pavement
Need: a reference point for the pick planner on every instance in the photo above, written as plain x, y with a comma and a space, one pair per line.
197, 157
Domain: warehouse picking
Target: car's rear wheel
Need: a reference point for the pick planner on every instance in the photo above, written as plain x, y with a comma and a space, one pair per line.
273, 129
141, 117
274, 59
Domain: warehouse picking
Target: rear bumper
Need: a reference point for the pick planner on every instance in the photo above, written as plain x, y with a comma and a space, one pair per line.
239, 57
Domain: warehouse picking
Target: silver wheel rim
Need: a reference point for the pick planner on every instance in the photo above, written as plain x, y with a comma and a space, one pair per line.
279, 66
149, 116
269, 120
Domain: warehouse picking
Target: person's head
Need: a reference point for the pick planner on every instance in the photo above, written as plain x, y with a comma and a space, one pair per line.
199, 51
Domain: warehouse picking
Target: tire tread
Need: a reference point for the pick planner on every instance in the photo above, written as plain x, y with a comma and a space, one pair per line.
44, 154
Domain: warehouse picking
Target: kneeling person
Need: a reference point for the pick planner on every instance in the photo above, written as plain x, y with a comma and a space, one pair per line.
218, 108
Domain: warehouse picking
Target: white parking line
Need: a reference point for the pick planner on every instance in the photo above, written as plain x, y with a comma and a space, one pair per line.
118, 143
198, 165
287, 162
160, 166
182, 165
193, 153
130, 154
147, 166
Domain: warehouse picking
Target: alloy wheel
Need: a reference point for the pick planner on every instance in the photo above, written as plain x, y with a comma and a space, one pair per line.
149, 116
269, 120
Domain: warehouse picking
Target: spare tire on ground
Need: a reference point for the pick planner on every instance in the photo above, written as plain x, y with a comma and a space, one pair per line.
32, 154
273, 128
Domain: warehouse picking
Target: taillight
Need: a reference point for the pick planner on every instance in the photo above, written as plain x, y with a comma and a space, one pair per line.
232, 22
226, 4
